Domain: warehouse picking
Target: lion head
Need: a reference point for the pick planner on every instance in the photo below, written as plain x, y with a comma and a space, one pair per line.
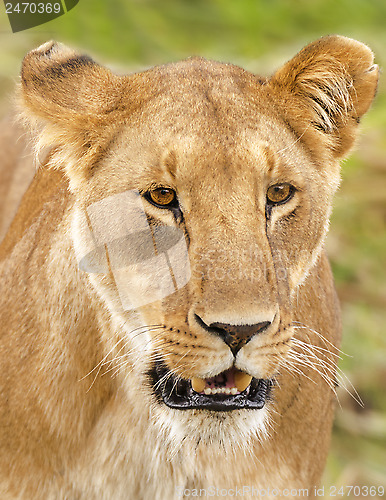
201, 199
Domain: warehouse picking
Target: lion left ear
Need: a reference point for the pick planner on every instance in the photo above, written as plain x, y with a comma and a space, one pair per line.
67, 88
74, 101
77, 104
327, 87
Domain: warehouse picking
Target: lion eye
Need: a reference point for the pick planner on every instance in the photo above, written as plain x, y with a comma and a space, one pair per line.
163, 197
279, 193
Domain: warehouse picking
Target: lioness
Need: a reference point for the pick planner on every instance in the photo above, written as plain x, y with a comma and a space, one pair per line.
168, 315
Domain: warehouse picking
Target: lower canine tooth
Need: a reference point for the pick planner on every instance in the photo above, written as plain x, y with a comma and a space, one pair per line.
198, 384
242, 380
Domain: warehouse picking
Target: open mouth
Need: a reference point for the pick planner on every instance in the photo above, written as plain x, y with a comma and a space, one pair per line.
229, 390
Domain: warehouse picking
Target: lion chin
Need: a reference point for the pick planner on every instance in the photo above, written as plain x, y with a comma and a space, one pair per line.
222, 432
168, 312
219, 411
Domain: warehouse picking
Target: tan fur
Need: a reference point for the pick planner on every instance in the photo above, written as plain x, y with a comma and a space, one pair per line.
17, 170
78, 417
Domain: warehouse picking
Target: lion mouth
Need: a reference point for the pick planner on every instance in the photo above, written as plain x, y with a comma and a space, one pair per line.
229, 390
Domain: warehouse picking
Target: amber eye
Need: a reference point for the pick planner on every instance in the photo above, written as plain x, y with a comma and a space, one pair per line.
165, 197
279, 193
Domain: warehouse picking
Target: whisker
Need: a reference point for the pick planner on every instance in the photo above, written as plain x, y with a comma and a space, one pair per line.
322, 337
111, 350
290, 146
310, 356
290, 366
157, 339
127, 339
317, 348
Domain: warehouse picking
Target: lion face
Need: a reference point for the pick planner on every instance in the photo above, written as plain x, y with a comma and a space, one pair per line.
202, 201
215, 343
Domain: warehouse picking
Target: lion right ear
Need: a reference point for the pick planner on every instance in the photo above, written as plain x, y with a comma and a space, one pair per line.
325, 89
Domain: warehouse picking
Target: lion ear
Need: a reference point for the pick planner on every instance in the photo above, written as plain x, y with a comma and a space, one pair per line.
60, 85
74, 101
326, 88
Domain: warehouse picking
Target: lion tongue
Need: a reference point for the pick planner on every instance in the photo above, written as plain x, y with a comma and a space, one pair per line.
232, 378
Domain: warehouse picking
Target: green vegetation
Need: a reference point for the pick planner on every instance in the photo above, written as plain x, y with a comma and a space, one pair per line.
260, 35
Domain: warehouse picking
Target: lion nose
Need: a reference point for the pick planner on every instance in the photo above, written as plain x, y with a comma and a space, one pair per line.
235, 336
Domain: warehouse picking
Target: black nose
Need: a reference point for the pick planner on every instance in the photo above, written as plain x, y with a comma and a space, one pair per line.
235, 336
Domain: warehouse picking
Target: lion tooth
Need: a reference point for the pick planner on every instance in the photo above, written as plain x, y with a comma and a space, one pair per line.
198, 384
208, 391
242, 380
233, 391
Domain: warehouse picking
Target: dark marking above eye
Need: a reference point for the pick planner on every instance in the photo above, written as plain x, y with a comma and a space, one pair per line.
170, 162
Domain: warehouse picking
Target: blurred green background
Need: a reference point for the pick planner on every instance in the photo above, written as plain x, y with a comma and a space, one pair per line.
260, 35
